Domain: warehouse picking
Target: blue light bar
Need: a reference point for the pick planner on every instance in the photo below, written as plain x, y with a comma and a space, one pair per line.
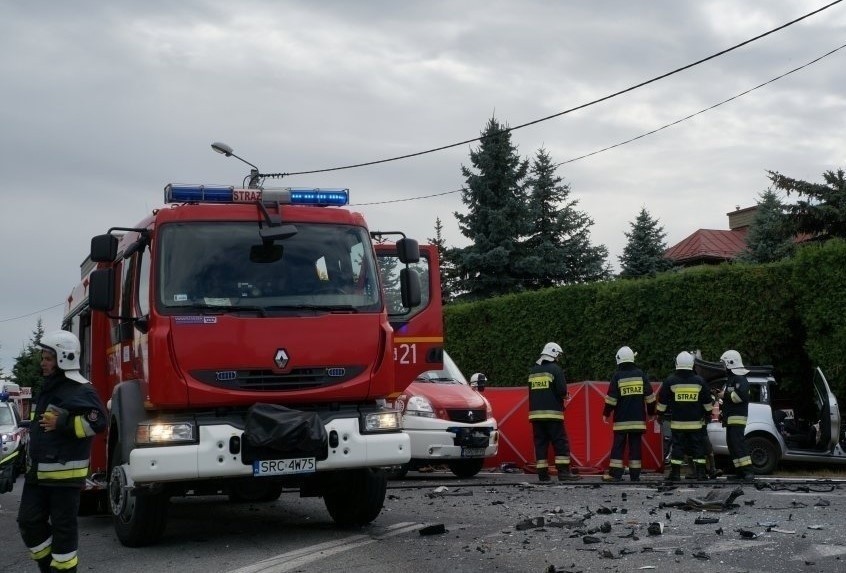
197, 194
286, 196
335, 197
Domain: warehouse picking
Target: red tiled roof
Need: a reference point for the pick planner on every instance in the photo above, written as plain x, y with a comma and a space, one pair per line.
708, 245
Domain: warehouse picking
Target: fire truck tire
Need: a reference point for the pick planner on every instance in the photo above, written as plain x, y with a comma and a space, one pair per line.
139, 520
255, 490
466, 468
356, 497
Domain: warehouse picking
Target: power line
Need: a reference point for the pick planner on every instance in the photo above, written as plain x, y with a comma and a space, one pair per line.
31, 313
642, 135
572, 109
701, 111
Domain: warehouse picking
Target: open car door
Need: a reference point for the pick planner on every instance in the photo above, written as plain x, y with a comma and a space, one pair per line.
829, 412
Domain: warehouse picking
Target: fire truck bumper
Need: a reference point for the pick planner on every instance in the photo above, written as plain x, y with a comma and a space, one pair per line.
211, 456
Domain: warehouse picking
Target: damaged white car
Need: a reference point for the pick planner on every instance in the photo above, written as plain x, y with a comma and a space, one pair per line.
781, 434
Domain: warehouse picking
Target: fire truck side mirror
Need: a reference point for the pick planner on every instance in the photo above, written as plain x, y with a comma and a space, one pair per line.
409, 288
104, 248
101, 289
408, 250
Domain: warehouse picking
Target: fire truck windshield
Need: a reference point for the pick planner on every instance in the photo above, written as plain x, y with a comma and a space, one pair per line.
212, 265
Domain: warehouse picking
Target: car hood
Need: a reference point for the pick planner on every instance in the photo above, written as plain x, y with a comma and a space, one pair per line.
447, 395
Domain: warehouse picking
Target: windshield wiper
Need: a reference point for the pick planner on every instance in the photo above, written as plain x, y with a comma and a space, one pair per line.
198, 307
262, 311
219, 308
315, 307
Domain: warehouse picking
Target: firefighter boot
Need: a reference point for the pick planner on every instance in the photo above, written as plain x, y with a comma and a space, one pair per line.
564, 473
44, 564
713, 472
699, 472
675, 473
634, 474
543, 474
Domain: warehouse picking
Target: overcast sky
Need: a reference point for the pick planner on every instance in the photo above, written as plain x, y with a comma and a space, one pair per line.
103, 103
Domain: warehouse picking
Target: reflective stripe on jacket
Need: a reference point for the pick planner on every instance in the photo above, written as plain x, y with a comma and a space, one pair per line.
61, 456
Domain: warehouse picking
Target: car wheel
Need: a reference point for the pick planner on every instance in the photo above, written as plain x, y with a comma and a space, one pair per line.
763, 453
466, 468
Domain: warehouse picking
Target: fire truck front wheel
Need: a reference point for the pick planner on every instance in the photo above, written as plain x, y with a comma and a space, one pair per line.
139, 520
355, 497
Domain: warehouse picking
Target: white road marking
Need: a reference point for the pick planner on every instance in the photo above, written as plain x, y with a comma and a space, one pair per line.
305, 555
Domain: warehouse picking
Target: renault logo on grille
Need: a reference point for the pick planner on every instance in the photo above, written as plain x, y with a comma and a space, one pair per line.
470, 415
281, 358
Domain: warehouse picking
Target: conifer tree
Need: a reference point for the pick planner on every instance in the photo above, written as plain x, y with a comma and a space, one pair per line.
27, 368
497, 216
558, 250
643, 255
445, 255
821, 208
769, 238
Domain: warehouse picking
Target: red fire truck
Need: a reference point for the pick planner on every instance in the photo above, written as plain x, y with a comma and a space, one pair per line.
241, 341
418, 329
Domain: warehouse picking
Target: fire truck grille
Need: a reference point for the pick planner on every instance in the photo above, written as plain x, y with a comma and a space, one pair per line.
271, 381
467, 416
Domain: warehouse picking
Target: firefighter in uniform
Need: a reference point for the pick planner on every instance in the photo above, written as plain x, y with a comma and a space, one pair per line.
68, 413
688, 398
735, 409
629, 397
547, 391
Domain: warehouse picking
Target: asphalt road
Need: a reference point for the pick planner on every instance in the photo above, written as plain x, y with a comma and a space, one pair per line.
494, 522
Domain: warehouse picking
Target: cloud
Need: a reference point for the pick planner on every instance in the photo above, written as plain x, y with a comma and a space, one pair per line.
105, 103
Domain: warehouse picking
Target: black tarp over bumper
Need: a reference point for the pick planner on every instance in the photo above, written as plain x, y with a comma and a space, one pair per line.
272, 432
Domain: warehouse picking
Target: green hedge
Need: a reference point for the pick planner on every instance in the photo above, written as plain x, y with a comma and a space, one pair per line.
790, 314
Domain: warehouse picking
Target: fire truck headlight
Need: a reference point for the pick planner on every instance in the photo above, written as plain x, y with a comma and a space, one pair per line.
383, 421
164, 433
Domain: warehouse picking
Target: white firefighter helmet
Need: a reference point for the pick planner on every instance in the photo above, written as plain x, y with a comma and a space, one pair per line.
684, 361
625, 354
550, 353
732, 360
67, 349
478, 380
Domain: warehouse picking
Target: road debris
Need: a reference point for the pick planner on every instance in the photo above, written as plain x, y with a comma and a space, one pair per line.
706, 520
531, 523
444, 491
437, 529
